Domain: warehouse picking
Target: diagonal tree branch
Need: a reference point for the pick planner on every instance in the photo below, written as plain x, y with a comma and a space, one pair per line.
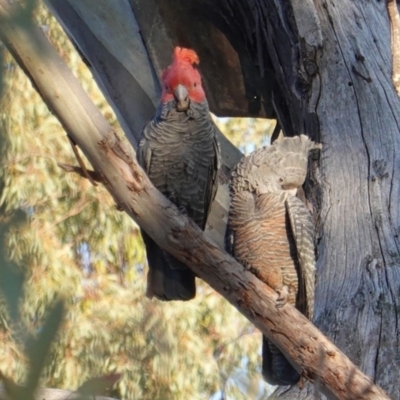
298, 338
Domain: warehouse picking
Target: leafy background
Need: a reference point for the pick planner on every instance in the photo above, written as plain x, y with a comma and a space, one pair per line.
73, 244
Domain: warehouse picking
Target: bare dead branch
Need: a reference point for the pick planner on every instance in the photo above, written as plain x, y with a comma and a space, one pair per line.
295, 335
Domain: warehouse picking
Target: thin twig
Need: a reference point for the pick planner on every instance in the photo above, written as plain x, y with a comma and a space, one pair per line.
93, 176
84, 171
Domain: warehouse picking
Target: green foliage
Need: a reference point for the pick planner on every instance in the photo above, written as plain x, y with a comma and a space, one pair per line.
73, 244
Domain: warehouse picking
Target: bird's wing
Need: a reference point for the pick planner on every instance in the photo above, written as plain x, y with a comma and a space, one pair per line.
168, 278
242, 221
303, 234
144, 151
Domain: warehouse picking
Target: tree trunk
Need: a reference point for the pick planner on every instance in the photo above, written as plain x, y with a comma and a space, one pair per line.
337, 84
332, 65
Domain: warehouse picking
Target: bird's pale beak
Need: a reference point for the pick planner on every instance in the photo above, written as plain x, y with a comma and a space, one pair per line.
182, 99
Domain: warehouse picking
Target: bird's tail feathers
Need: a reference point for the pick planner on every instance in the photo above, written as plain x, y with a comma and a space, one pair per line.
168, 279
276, 369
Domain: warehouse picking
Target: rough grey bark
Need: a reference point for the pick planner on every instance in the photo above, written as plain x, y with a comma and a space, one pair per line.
304, 345
336, 80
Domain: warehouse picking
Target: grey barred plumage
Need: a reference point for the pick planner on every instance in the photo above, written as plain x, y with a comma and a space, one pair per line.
180, 153
271, 233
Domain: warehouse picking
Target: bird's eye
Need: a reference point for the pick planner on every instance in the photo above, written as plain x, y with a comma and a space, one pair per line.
166, 87
280, 180
195, 84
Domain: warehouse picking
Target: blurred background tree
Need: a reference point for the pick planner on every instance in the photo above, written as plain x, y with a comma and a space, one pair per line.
75, 244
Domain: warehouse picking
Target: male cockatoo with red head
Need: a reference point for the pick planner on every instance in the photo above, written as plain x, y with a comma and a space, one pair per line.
180, 153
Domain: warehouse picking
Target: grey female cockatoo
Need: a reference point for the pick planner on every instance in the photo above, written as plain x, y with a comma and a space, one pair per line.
271, 233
